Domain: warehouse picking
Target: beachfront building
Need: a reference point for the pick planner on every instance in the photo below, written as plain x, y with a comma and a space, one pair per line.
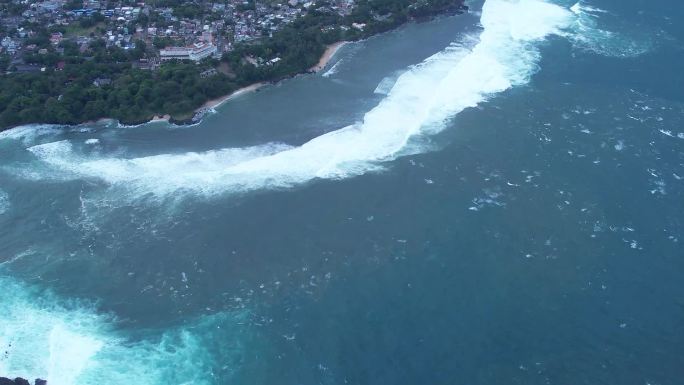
196, 52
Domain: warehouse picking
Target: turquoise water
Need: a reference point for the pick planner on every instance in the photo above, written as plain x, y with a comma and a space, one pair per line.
487, 198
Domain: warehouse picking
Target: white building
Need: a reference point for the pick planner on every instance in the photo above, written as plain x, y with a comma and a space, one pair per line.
201, 51
196, 52
175, 53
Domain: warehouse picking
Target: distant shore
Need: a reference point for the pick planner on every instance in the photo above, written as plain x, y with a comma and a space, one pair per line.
199, 113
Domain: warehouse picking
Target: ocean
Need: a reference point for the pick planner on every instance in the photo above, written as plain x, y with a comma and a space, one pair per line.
487, 198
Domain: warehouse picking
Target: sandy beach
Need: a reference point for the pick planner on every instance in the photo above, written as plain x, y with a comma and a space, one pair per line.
213, 103
218, 101
327, 55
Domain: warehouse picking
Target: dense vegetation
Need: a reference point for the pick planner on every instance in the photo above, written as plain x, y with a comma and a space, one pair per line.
69, 95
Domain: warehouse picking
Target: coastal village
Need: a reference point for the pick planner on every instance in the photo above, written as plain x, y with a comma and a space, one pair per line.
76, 61
160, 30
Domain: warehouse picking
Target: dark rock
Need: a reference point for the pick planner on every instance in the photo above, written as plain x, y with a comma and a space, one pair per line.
20, 381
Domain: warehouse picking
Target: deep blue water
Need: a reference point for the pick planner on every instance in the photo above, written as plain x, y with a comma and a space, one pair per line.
508, 211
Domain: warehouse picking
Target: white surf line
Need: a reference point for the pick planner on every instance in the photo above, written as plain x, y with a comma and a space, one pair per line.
420, 102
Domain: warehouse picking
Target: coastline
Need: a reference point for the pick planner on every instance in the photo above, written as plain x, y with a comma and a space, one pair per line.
328, 54
160, 118
213, 103
210, 105
198, 114
195, 115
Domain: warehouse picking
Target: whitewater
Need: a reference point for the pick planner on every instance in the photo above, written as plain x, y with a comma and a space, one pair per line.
69, 342
419, 103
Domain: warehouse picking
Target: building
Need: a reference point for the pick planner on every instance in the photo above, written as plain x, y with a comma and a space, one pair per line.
175, 53
101, 82
26, 68
208, 73
201, 51
56, 38
196, 52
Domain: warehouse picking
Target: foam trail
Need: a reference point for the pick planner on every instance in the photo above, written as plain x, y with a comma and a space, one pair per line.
420, 102
586, 35
386, 84
4, 202
332, 70
579, 9
69, 343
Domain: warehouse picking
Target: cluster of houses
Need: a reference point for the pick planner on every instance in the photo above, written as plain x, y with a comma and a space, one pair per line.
121, 23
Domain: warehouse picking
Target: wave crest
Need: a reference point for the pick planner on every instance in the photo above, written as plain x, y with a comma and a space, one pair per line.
586, 35
421, 100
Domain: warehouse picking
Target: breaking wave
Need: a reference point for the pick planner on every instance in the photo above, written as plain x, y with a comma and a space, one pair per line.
418, 102
587, 35
30, 133
386, 84
69, 343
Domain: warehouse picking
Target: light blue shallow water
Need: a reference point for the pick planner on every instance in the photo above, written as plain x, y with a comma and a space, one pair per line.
492, 198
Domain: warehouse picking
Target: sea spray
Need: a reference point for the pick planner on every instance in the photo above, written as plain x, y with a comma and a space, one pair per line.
70, 343
586, 35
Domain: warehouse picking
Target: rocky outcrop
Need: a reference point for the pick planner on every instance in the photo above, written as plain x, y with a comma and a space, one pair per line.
20, 381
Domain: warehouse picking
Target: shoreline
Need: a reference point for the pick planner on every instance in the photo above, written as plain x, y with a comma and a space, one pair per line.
196, 115
216, 102
328, 54
160, 118
209, 106
199, 113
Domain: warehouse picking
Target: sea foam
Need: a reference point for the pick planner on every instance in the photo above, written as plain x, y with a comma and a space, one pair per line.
4, 202
69, 343
333, 70
29, 133
585, 34
422, 99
